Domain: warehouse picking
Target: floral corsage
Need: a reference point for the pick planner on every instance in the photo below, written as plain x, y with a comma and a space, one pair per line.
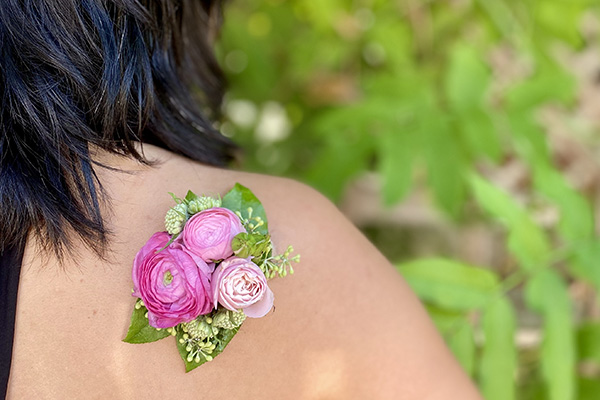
199, 280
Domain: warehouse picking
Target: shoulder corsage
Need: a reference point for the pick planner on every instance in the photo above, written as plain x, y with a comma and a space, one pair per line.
199, 280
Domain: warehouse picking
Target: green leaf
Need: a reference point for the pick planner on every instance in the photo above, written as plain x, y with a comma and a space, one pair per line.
450, 284
547, 293
345, 148
588, 388
496, 202
529, 139
467, 80
561, 20
240, 198
585, 263
526, 240
223, 339
446, 321
140, 331
588, 342
480, 135
445, 161
550, 83
397, 150
462, 344
190, 196
529, 244
498, 364
576, 216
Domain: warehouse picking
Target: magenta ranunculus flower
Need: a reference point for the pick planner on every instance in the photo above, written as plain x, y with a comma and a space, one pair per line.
209, 233
239, 284
174, 284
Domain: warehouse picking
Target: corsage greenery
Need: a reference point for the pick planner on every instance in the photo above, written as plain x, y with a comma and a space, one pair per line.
201, 278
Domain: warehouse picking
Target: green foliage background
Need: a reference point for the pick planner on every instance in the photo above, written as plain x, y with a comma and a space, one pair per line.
325, 91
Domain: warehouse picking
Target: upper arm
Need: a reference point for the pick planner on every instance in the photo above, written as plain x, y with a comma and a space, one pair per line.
358, 311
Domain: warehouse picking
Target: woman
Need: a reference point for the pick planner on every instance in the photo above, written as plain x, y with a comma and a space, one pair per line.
84, 84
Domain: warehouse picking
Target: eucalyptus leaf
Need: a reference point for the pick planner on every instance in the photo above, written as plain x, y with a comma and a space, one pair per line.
240, 198
139, 330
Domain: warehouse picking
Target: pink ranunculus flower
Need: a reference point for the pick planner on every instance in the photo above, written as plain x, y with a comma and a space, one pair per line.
209, 233
239, 284
174, 284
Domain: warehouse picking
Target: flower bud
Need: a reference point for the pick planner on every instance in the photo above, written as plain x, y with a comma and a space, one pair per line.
228, 319
175, 218
203, 203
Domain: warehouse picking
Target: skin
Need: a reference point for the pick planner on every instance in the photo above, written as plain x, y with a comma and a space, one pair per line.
345, 325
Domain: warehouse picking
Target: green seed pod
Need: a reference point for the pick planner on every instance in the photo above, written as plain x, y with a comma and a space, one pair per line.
175, 218
203, 203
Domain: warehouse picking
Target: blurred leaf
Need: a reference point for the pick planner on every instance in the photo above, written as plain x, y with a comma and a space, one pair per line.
585, 262
529, 244
498, 366
528, 138
526, 240
560, 20
467, 79
548, 84
588, 388
480, 135
588, 342
450, 284
447, 321
445, 161
342, 159
397, 149
496, 202
462, 344
547, 293
576, 218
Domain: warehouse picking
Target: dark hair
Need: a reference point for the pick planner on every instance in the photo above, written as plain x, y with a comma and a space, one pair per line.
106, 73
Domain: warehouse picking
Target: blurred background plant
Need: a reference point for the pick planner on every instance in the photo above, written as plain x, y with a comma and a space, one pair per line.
463, 137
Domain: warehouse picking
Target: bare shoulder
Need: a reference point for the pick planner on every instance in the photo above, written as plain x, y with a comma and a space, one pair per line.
362, 330
345, 325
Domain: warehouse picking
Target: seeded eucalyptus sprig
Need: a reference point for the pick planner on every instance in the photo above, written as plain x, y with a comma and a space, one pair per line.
280, 264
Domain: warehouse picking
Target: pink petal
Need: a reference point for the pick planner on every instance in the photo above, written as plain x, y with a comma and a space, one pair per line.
261, 307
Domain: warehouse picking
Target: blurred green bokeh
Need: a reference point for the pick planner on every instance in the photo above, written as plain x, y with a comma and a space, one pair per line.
474, 121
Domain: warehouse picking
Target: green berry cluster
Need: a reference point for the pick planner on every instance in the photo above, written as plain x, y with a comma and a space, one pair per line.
227, 319
175, 219
203, 203
202, 335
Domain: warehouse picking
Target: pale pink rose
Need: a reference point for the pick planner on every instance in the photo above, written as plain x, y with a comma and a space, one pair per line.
239, 284
174, 284
209, 233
